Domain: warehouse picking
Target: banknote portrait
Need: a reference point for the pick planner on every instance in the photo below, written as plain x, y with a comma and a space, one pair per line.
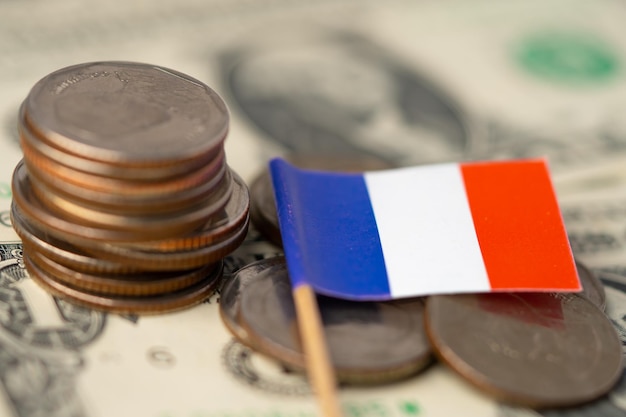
341, 94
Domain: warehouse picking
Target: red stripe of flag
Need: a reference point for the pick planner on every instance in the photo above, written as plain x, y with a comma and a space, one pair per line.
519, 226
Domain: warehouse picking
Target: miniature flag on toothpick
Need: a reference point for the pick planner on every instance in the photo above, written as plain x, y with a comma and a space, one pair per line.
445, 228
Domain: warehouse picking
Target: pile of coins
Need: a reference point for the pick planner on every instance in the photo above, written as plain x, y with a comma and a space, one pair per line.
532, 349
124, 200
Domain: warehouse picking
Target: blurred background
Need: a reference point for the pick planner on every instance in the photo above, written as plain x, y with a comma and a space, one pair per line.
409, 82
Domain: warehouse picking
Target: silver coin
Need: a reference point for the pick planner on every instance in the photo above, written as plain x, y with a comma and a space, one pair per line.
369, 342
533, 349
127, 113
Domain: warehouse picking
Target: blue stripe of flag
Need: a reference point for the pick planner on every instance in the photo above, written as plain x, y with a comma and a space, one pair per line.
329, 232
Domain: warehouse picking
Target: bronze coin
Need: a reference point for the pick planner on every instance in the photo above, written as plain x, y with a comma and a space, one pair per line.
169, 302
184, 219
155, 260
369, 342
138, 284
229, 220
123, 201
125, 113
62, 252
34, 211
592, 286
42, 150
230, 294
152, 187
263, 207
533, 349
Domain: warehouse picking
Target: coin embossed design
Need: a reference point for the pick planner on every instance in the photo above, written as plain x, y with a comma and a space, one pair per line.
369, 342
146, 108
533, 349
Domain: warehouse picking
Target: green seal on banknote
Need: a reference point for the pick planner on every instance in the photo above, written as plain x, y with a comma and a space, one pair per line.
568, 58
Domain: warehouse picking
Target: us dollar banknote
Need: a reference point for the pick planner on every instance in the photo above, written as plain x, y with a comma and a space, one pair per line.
407, 82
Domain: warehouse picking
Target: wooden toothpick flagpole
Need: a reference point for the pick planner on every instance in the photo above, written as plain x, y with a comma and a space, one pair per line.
319, 368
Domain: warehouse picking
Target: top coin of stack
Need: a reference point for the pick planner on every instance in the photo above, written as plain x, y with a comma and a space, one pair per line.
124, 179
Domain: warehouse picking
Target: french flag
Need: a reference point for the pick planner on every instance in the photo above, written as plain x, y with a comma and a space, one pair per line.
432, 229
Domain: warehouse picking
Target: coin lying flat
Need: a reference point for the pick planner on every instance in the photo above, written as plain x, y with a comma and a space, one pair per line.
140, 284
369, 342
123, 200
592, 286
230, 294
102, 226
223, 224
533, 349
167, 302
147, 108
263, 208
40, 151
35, 240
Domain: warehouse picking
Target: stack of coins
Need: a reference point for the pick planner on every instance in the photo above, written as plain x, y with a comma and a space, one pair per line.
124, 200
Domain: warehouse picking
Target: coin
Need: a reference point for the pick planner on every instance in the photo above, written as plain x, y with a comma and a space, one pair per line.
35, 240
138, 284
263, 207
154, 260
185, 219
533, 349
37, 148
126, 113
230, 294
65, 228
124, 202
369, 342
230, 220
168, 302
592, 286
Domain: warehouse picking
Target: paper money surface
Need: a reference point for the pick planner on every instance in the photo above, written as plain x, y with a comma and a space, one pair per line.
409, 82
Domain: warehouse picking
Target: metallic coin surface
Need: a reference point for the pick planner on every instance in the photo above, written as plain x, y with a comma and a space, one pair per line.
38, 149
228, 221
169, 302
230, 294
155, 260
533, 349
35, 240
139, 284
143, 222
124, 201
136, 229
126, 187
369, 342
127, 113
263, 207
592, 286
